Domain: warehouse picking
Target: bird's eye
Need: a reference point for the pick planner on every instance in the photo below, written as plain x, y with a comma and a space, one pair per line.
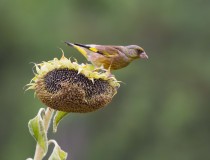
140, 51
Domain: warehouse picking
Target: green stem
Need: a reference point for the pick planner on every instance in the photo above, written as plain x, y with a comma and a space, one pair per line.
39, 153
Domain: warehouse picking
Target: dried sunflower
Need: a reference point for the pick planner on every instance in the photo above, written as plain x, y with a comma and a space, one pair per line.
71, 87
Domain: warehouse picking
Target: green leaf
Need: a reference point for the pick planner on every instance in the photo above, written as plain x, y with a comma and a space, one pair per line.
57, 118
37, 130
57, 153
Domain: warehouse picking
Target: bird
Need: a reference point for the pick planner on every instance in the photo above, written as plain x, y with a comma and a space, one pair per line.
110, 57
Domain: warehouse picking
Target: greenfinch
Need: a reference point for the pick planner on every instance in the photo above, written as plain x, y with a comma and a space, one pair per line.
109, 56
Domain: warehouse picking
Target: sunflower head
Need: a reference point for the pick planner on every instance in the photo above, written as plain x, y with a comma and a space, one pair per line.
71, 87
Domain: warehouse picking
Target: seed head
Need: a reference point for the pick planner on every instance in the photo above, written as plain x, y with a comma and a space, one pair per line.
71, 87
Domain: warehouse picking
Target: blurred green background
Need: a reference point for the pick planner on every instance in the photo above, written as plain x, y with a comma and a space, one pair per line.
162, 110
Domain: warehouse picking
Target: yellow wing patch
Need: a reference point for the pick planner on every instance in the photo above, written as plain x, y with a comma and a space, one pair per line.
93, 49
104, 53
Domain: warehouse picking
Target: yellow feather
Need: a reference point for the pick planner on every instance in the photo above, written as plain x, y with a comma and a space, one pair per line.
93, 49
81, 50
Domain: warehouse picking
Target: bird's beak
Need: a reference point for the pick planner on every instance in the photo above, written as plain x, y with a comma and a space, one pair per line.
144, 55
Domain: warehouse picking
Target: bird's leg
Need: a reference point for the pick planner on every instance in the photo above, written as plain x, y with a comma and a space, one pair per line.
109, 69
101, 68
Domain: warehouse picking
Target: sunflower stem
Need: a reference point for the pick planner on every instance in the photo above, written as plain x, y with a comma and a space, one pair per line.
39, 152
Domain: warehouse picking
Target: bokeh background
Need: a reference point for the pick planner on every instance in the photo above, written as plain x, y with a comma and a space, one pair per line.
162, 109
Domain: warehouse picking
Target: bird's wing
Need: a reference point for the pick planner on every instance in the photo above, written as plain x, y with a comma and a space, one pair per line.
105, 50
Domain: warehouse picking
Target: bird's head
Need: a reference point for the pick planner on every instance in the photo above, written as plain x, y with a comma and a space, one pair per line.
135, 52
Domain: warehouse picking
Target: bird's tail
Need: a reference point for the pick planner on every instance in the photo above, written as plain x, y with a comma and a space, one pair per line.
81, 48
69, 44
